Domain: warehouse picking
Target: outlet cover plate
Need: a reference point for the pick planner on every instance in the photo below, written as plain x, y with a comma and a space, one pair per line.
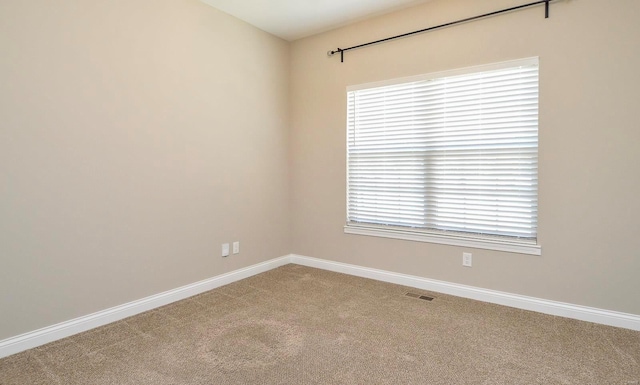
466, 259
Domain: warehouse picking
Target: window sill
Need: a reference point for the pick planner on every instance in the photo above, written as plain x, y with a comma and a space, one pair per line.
522, 247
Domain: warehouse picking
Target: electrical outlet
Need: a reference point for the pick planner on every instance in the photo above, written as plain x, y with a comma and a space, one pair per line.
236, 247
466, 259
225, 249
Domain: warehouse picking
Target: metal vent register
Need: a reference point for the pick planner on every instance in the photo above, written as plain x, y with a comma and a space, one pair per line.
419, 296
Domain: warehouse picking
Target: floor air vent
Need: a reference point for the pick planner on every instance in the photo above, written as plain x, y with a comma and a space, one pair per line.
419, 296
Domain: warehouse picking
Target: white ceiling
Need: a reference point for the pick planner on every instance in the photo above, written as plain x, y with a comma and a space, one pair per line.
294, 19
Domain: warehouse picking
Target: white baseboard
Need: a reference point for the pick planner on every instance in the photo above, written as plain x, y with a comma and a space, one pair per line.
583, 313
68, 328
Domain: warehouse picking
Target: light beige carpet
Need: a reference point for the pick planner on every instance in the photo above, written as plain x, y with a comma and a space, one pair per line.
298, 325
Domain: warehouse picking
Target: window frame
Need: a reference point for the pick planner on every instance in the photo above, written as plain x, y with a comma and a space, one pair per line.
470, 240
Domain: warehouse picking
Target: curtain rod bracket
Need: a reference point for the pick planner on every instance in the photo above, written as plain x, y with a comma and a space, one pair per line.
331, 53
546, 9
468, 19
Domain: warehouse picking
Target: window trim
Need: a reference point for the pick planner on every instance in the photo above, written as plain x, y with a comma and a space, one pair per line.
477, 242
513, 245
447, 73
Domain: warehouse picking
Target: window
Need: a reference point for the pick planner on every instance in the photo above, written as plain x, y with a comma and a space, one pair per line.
447, 158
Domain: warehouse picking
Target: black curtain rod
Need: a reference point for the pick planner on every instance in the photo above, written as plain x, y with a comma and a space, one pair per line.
341, 51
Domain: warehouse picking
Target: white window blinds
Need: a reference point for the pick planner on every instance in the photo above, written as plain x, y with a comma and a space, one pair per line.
452, 154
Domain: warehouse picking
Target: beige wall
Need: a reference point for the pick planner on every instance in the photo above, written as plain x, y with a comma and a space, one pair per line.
135, 138
589, 225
